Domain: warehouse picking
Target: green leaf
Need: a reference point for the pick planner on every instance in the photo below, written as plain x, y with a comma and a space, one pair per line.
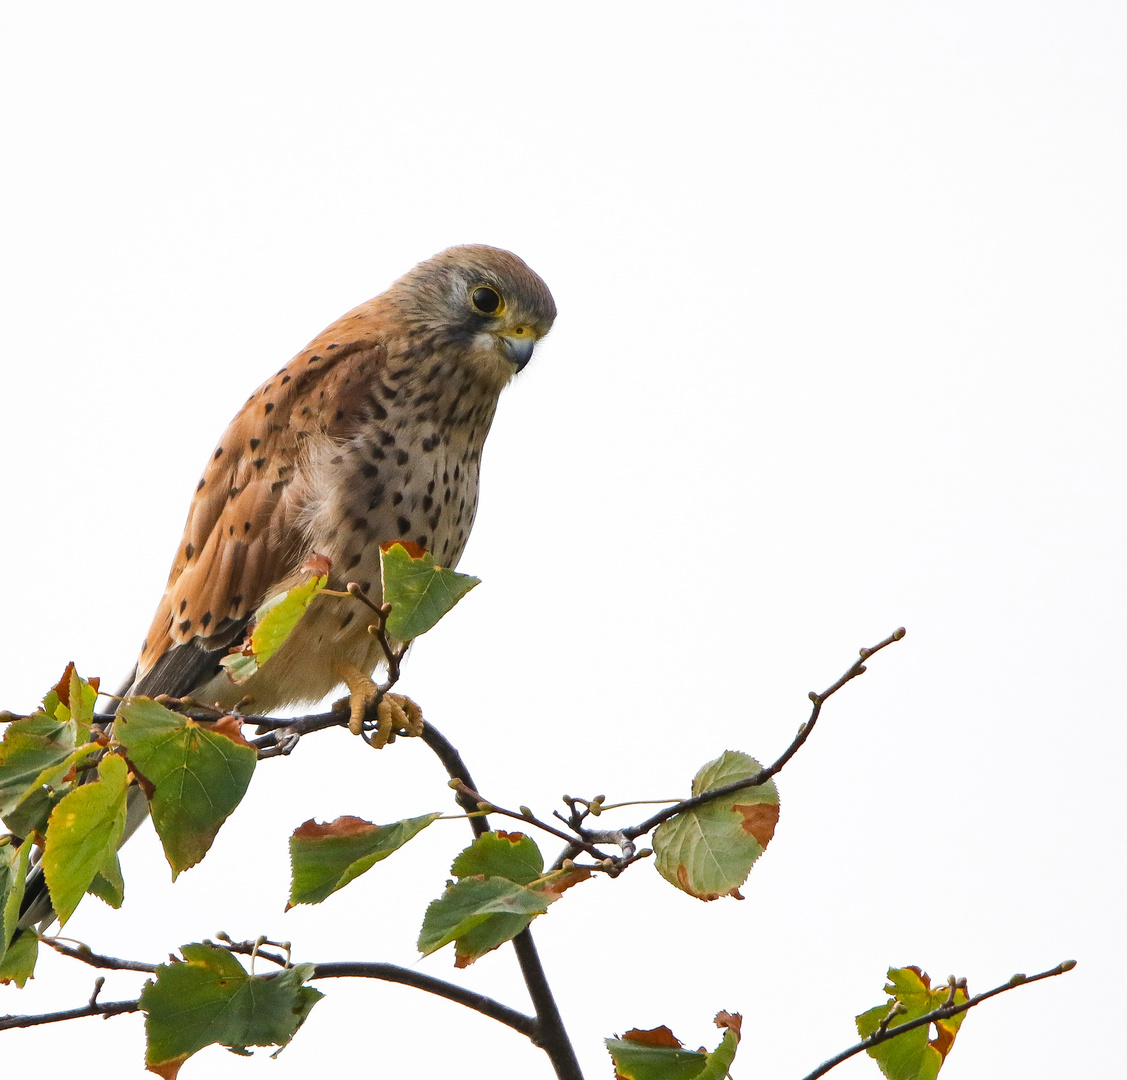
325, 858
211, 998
497, 897
708, 852
419, 591
912, 1056
493, 907
108, 884
273, 622
37, 751
13, 878
19, 960
83, 832
637, 1060
197, 774
658, 1055
32, 814
500, 854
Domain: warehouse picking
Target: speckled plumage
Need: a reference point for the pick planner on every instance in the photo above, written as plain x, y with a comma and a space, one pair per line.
372, 433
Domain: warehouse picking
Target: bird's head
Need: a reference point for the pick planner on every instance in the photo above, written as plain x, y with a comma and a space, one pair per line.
480, 304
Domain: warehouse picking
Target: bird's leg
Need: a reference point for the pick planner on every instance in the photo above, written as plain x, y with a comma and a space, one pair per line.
362, 691
395, 712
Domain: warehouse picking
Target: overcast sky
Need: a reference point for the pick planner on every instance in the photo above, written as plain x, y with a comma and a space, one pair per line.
840, 348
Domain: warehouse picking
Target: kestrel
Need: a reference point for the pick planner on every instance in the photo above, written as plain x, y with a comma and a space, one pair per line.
372, 433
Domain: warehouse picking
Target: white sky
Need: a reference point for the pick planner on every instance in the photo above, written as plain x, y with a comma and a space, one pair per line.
840, 348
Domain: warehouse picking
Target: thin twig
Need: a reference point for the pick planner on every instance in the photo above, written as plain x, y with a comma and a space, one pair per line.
764, 775
527, 816
96, 1008
96, 960
254, 948
944, 1012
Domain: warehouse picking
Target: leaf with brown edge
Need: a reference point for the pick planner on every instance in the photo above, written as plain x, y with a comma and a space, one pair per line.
38, 753
416, 551
231, 727
730, 1021
657, 1054
419, 591
325, 858
510, 855
559, 881
913, 1055
63, 691
502, 888
478, 914
197, 774
658, 1036
759, 820
708, 852
210, 998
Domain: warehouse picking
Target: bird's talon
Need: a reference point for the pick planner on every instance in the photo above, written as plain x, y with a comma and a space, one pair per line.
396, 713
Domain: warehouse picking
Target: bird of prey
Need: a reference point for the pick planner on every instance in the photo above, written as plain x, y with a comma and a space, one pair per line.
372, 433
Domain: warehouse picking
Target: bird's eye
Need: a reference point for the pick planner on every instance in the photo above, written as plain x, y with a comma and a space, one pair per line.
486, 300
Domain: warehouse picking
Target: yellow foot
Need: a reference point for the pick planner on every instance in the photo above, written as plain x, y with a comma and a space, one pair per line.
397, 712
361, 693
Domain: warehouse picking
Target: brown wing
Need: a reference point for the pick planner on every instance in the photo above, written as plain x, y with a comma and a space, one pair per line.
243, 532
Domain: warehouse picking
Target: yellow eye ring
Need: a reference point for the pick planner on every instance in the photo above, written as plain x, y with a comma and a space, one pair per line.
487, 300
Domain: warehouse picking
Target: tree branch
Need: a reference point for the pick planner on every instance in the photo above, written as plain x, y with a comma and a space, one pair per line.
551, 1035
526, 1025
944, 1012
95, 1008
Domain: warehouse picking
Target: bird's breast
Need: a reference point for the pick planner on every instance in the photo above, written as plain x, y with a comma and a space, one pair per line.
400, 477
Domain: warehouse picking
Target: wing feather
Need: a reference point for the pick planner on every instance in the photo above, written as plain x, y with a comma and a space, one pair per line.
244, 530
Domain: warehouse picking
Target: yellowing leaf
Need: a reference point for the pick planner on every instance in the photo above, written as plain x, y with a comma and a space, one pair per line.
913, 1055
708, 852
83, 833
273, 623
39, 752
13, 878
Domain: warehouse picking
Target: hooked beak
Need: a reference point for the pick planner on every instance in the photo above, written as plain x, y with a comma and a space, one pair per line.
518, 350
